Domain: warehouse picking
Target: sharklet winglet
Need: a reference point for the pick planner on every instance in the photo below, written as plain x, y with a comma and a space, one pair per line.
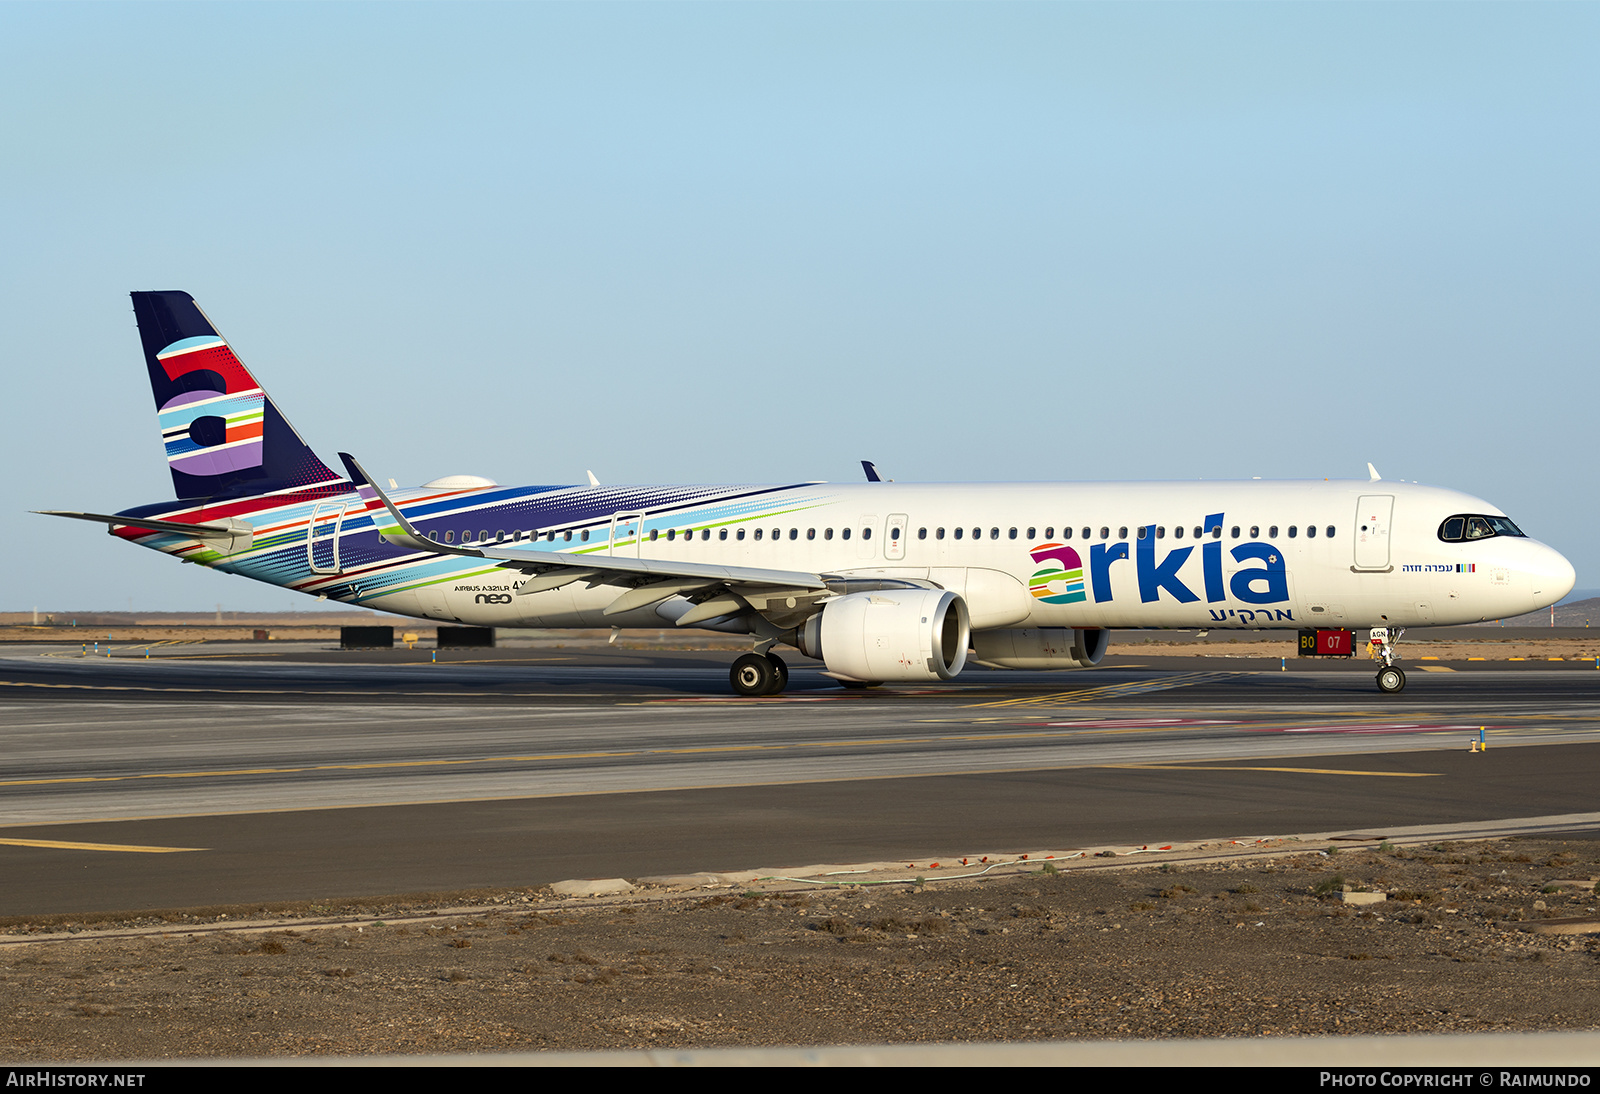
408, 536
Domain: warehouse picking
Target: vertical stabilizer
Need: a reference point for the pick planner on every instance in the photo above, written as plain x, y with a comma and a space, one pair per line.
224, 437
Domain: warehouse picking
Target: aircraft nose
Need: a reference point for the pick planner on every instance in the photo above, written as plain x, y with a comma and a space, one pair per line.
1553, 576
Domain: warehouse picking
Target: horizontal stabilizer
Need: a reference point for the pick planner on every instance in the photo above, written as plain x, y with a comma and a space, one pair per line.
239, 534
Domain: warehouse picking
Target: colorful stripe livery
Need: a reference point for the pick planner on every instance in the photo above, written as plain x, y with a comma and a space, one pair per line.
210, 433
1061, 583
329, 541
224, 437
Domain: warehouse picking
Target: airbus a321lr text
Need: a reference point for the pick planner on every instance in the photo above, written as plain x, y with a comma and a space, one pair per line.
880, 581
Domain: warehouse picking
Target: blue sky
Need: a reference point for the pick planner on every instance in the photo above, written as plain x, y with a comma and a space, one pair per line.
700, 243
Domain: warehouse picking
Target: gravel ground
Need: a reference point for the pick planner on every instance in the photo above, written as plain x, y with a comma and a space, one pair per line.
1249, 948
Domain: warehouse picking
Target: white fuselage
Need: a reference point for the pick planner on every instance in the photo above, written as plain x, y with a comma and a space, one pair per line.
1182, 555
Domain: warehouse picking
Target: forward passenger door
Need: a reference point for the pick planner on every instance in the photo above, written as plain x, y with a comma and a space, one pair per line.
1373, 515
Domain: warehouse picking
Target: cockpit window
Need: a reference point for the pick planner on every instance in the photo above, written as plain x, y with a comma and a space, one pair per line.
1469, 526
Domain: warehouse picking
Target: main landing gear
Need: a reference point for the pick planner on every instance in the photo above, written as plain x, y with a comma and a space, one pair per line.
759, 674
1391, 679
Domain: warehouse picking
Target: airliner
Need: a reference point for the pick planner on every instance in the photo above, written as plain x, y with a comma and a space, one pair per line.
880, 581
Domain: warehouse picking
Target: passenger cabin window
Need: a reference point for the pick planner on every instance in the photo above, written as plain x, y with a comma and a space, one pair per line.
1293, 531
922, 533
1105, 533
1122, 533
938, 533
959, 532
1272, 533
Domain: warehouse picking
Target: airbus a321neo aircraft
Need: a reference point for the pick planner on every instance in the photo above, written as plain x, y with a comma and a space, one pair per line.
878, 580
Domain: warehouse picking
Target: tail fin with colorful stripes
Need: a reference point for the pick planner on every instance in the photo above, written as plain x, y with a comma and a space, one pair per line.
224, 436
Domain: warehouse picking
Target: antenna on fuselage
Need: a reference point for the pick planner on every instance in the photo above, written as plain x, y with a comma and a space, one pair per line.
1373, 471
592, 480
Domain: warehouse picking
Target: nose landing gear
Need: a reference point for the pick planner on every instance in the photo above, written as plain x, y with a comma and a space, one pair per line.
1391, 680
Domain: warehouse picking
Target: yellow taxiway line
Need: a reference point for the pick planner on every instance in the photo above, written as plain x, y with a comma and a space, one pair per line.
1289, 770
67, 845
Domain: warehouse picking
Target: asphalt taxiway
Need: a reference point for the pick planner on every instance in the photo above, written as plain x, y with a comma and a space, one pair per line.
215, 775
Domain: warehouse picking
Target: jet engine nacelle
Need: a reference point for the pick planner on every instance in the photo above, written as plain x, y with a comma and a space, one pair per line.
1041, 648
896, 634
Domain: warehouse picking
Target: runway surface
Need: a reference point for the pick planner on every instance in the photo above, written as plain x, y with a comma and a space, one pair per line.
313, 773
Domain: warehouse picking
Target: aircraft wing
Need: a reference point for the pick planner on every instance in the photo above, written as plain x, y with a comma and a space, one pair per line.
715, 589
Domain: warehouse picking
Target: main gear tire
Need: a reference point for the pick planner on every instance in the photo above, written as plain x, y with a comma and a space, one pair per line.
780, 674
752, 675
